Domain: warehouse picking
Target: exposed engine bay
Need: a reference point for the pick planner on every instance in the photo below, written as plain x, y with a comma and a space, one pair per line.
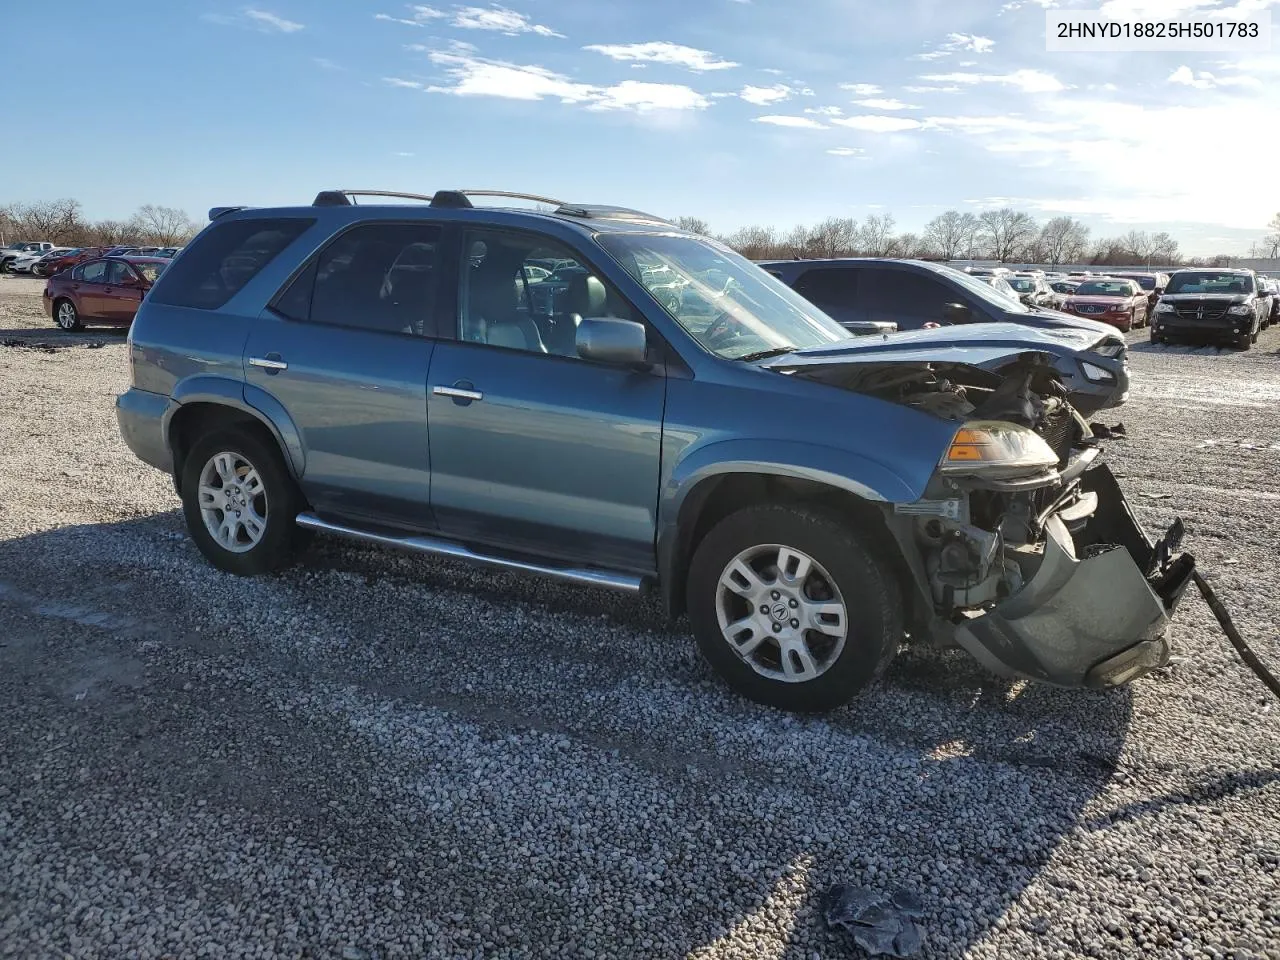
1023, 547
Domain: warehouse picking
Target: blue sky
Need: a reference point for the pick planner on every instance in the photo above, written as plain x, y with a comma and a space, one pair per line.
737, 111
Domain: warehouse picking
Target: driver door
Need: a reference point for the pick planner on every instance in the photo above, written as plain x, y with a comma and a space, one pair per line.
534, 449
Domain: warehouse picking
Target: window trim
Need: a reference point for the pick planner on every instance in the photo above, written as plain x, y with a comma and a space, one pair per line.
658, 348
431, 322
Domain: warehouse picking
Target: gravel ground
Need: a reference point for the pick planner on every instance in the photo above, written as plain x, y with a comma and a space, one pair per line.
376, 755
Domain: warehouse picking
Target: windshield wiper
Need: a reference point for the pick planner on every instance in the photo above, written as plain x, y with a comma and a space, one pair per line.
765, 354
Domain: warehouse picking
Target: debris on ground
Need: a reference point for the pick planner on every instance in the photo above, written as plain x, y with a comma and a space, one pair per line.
1102, 432
881, 923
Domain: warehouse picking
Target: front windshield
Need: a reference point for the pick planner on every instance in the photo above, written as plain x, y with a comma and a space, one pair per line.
1023, 285
1209, 282
725, 302
982, 291
1105, 288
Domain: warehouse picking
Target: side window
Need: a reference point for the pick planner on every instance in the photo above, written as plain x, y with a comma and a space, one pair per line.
378, 276
832, 287
223, 259
523, 292
908, 294
95, 272
118, 272
78, 273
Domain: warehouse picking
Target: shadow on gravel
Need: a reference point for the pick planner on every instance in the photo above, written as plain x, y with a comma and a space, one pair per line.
944, 779
52, 338
1209, 791
1197, 349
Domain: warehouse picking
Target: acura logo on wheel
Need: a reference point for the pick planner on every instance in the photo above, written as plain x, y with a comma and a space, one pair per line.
779, 612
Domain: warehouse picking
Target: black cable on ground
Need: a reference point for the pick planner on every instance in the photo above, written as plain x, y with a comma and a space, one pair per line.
1237, 641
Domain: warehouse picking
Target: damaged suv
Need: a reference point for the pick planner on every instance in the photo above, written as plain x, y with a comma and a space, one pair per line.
391, 374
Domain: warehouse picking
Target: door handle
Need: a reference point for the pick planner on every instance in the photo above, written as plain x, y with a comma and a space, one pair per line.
458, 393
271, 363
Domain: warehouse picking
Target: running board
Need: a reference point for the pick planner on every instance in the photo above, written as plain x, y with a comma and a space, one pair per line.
455, 551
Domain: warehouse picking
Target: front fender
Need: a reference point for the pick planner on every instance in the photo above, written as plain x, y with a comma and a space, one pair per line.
245, 398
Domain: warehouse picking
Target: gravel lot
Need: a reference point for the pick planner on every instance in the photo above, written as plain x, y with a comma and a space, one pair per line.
376, 755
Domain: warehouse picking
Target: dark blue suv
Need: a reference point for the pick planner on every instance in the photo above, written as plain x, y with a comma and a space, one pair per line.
591, 394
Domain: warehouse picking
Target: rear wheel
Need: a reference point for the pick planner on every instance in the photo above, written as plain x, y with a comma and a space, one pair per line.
66, 316
793, 607
240, 502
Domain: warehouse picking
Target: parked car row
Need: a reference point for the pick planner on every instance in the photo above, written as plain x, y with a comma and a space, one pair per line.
45, 259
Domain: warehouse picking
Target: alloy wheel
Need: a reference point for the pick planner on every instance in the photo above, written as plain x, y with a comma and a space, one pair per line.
233, 502
66, 315
782, 613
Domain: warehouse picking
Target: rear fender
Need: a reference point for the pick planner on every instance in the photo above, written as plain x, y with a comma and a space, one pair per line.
246, 399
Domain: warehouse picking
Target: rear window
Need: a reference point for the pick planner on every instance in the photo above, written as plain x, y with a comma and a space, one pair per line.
223, 259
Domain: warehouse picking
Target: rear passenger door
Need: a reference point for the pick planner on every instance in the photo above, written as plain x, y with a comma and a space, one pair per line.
344, 350
834, 290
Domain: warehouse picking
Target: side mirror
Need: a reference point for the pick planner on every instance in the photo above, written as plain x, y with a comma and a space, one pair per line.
956, 313
610, 340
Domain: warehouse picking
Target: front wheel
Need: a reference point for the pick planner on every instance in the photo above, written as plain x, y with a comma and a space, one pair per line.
240, 503
793, 607
1244, 341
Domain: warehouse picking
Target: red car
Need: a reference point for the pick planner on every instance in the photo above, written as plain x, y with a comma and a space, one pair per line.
105, 291
54, 266
1121, 303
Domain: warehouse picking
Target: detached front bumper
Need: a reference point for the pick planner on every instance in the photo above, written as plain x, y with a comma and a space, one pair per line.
1096, 612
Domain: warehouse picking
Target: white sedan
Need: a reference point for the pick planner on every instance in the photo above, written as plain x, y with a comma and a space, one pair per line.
25, 261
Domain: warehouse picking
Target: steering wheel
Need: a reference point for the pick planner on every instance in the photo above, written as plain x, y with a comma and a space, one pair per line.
719, 327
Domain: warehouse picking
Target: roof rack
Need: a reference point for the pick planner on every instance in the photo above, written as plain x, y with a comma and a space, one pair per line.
461, 199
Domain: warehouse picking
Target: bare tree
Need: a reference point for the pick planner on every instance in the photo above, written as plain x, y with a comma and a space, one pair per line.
797, 242
1006, 231
910, 246
694, 225
163, 226
1164, 249
951, 234
833, 237
1271, 242
1064, 240
1140, 244
755, 243
877, 234
58, 221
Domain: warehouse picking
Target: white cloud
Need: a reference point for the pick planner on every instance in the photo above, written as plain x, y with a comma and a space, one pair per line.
1201, 80
931, 89
873, 123
405, 84
878, 103
420, 16
324, 63
958, 43
763, 96
402, 153
269, 21
1019, 4
800, 123
862, 89
1028, 81
476, 77
846, 152
659, 51
645, 97
993, 124
825, 111
499, 19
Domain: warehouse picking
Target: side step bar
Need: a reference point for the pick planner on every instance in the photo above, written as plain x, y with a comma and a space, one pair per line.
443, 548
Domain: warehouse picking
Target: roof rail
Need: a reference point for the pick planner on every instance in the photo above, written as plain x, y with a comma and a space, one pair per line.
588, 211
514, 196
216, 212
344, 198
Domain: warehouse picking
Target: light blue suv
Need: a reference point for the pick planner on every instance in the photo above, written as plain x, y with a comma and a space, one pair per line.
520, 388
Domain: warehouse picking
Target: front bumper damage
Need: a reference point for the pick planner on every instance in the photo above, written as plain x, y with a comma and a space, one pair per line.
1096, 610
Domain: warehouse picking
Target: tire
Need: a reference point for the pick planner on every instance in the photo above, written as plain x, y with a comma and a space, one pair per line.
1244, 341
1156, 338
841, 557
66, 316
226, 453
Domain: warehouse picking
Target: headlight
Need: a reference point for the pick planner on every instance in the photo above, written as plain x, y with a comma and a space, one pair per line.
1241, 309
995, 448
1096, 374
1108, 348
1165, 308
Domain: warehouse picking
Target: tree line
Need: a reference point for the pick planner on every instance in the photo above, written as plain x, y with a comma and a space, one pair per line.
63, 222
1004, 234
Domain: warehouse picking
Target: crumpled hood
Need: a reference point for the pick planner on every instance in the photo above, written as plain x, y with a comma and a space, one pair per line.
975, 344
